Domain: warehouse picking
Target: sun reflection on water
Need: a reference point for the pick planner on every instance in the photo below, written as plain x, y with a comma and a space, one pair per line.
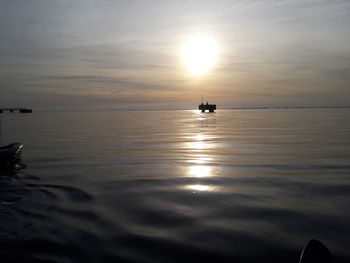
199, 145
199, 137
200, 159
200, 187
199, 171
198, 142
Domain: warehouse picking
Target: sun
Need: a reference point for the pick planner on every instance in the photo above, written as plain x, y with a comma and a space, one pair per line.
199, 54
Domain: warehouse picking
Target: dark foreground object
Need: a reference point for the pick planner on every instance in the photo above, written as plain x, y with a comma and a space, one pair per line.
10, 154
315, 252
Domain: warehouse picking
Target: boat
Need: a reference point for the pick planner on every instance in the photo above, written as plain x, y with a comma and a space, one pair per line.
10, 154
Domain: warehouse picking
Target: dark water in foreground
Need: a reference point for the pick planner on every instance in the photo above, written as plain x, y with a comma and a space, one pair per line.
176, 186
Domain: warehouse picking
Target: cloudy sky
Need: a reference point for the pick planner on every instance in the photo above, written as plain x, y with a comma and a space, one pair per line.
107, 54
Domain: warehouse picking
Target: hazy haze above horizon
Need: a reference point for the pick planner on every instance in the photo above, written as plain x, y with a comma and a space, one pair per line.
126, 54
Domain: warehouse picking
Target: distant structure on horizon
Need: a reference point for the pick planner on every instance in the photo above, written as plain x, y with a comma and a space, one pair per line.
13, 110
203, 107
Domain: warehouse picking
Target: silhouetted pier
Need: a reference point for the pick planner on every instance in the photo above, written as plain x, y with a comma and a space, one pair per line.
13, 110
210, 107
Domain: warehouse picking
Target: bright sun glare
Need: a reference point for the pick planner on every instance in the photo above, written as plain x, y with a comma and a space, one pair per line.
199, 54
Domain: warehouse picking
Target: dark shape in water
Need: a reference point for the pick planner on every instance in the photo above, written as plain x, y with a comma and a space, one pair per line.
315, 252
13, 170
10, 155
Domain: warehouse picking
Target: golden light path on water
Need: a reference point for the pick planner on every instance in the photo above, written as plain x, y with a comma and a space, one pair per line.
200, 187
199, 146
199, 171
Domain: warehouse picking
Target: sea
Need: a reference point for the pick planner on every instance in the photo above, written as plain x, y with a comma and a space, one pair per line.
243, 185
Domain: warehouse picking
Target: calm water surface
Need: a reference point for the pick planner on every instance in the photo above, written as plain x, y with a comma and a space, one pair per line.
176, 186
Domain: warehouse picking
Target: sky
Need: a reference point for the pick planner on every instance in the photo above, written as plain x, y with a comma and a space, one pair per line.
126, 55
